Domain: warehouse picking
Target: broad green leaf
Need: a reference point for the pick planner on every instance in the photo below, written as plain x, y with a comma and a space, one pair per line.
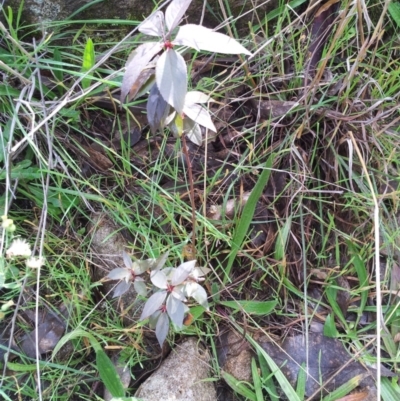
301, 381
201, 38
77, 333
157, 110
109, 375
238, 386
174, 13
394, 11
171, 78
330, 329
137, 61
197, 312
200, 115
88, 62
153, 25
247, 215
260, 308
22, 171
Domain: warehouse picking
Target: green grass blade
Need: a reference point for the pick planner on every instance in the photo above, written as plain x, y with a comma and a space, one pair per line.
330, 329
78, 333
279, 376
344, 389
390, 389
109, 375
301, 382
88, 62
362, 274
266, 375
260, 308
256, 380
238, 386
247, 215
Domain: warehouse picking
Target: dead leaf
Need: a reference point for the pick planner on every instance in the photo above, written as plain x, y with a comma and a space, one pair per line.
49, 331
321, 28
272, 108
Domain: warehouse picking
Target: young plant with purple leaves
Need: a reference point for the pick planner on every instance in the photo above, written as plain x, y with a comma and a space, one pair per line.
168, 304
169, 68
131, 274
175, 286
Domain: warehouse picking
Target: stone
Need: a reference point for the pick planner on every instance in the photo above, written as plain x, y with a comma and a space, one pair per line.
181, 376
42, 11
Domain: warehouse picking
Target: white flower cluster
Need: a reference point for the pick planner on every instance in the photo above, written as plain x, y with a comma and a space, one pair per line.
21, 248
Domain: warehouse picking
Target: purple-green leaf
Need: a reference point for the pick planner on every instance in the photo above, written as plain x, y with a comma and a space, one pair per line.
194, 133
162, 328
171, 77
159, 279
121, 288
153, 25
127, 260
200, 115
174, 13
200, 295
119, 273
160, 261
182, 272
157, 109
140, 287
201, 38
176, 310
153, 304
196, 97
137, 61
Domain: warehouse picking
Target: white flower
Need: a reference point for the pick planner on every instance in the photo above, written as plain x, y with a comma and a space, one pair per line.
19, 247
35, 262
7, 224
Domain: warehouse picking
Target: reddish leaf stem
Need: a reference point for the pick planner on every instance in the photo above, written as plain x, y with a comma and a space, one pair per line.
189, 167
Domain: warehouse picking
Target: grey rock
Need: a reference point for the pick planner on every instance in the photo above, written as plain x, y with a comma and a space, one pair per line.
107, 245
181, 376
42, 11
234, 355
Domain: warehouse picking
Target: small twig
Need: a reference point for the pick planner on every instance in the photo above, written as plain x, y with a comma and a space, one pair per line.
189, 167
